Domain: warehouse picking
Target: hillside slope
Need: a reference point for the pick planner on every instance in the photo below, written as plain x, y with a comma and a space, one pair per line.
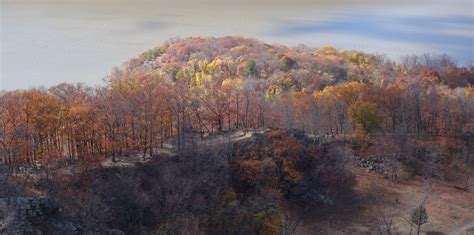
156, 149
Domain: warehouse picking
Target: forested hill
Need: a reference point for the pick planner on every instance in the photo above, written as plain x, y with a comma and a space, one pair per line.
288, 69
311, 112
235, 82
205, 85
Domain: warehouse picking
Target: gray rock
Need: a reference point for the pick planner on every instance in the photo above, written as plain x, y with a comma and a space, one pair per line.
19, 215
298, 190
32, 215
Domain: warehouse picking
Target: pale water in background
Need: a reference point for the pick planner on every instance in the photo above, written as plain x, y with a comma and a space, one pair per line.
44, 43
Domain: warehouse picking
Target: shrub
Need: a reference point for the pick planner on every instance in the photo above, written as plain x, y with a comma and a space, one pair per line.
365, 114
251, 68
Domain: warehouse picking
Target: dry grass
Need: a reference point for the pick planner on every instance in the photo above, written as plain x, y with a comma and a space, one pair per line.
447, 206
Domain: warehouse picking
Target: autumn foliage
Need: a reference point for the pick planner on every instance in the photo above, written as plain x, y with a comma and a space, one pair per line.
289, 162
208, 85
302, 113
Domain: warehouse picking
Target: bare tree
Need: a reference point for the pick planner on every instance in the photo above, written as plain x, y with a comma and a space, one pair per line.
383, 214
468, 134
291, 223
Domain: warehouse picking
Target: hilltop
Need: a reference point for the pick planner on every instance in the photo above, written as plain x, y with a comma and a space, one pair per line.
300, 67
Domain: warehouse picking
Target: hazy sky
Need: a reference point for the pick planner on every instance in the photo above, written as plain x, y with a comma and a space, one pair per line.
44, 43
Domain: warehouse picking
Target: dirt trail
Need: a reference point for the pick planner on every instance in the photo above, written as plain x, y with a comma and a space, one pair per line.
169, 149
132, 159
463, 229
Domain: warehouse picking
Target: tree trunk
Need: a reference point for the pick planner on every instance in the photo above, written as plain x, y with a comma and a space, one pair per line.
466, 184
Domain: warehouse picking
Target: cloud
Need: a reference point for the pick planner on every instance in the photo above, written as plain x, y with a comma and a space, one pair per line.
410, 29
150, 25
451, 34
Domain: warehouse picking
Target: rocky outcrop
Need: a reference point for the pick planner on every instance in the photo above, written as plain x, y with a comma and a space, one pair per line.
372, 164
38, 215
21, 215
